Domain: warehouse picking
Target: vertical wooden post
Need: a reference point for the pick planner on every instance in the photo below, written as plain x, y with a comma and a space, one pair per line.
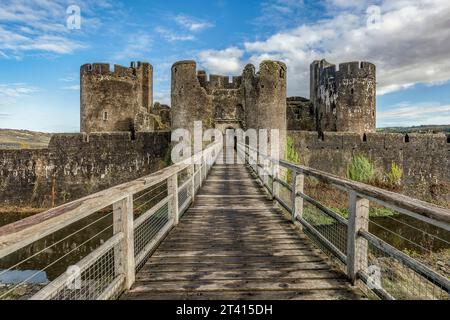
124, 255
172, 189
276, 185
192, 173
358, 219
297, 201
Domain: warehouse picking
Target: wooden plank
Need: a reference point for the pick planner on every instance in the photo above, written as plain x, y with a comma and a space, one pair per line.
236, 253
236, 246
316, 273
238, 285
261, 266
334, 294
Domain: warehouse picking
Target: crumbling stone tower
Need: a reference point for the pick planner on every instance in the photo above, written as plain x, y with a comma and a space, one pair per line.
250, 101
344, 100
116, 101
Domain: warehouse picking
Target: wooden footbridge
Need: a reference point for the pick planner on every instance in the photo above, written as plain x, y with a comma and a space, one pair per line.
212, 230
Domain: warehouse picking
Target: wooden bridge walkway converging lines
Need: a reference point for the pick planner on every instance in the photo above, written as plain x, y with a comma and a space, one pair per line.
212, 229
232, 243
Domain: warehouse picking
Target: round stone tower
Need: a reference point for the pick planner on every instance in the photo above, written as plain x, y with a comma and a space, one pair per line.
356, 92
271, 100
189, 100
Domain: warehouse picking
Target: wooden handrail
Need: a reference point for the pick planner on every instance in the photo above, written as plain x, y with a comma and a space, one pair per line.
26, 231
428, 212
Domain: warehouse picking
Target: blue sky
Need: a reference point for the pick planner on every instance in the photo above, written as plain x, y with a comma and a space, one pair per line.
408, 40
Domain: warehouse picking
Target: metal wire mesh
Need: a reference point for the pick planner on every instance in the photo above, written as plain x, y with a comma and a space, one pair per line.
388, 273
146, 199
419, 241
92, 282
197, 180
47, 259
184, 195
330, 228
147, 230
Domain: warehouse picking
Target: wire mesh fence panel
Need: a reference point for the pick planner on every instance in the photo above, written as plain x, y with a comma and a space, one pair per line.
145, 233
29, 269
92, 282
386, 272
334, 231
184, 196
146, 199
183, 176
417, 241
197, 180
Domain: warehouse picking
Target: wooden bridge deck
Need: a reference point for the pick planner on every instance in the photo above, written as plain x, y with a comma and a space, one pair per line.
232, 243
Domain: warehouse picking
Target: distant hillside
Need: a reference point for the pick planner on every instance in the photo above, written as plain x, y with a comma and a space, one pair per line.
418, 129
23, 139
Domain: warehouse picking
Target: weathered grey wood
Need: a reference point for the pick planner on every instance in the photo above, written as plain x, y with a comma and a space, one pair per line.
23, 232
192, 178
334, 294
26, 231
297, 186
223, 246
123, 223
172, 189
236, 285
418, 209
357, 248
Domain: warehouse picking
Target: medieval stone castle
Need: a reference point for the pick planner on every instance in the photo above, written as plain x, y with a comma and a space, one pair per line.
341, 100
125, 135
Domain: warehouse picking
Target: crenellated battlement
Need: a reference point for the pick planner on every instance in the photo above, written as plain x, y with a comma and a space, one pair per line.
117, 99
357, 69
344, 98
118, 70
215, 81
250, 100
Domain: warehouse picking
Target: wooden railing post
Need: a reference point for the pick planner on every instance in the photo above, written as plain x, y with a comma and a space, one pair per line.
192, 173
123, 222
172, 189
357, 247
275, 184
297, 202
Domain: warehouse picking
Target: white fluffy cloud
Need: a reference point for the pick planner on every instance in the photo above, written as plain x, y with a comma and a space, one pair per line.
192, 24
226, 61
411, 114
40, 26
11, 92
409, 44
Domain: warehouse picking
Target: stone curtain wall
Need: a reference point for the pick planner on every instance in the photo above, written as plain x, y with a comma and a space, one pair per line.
425, 159
75, 165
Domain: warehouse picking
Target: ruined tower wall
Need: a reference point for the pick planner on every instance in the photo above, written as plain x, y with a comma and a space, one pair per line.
344, 100
253, 100
271, 101
300, 114
250, 92
356, 96
76, 165
425, 159
117, 100
189, 100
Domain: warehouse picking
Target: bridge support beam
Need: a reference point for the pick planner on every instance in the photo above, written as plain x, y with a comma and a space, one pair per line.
357, 247
123, 222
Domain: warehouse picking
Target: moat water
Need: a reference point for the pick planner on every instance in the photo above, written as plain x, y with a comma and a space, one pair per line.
402, 232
